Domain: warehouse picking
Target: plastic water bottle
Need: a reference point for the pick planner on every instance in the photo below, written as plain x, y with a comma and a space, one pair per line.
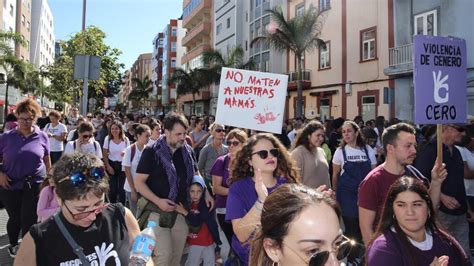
143, 246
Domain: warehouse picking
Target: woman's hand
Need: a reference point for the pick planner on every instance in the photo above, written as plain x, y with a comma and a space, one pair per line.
4, 181
441, 261
260, 187
180, 209
110, 170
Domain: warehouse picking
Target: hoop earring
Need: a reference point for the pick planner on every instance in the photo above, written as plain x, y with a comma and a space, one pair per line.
275, 263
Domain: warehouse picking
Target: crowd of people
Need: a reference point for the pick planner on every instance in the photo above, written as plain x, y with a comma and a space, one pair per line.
353, 191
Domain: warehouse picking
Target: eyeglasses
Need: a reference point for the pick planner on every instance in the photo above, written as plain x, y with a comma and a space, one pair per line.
320, 258
264, 153
86, 136
83, 215
233, 143
23, 120
219, 130
90, 117
79, 178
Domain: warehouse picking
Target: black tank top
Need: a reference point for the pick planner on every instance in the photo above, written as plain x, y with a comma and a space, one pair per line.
105, 242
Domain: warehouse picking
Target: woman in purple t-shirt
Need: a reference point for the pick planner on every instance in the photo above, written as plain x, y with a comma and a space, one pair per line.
220, 175
408, 233
262, 165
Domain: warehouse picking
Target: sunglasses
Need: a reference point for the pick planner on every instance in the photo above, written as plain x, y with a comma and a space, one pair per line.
86, 136
83, 215
320, 258
219, 130
79, 178
264, 153
233, 143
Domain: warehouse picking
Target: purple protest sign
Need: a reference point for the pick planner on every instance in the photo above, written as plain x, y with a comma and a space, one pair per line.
439, 72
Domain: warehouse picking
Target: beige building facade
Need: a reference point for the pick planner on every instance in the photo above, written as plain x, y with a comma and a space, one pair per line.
346, 78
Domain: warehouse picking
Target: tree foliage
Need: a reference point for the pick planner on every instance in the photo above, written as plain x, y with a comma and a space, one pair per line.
192, 82
299, 34
90, 42
141, 90
216, 61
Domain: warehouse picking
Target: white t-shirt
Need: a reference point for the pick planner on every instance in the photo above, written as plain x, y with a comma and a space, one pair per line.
54, 144
468, 157
92, 147
116, 150
97, 123
353, 155
133, 166
151, 142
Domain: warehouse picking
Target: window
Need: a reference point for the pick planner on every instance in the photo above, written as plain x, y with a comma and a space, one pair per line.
368, 44
174, 31
325, 56
368, 107
173, 62
258, 3
324, 108
23, 19
228, 22
28, 26
299, 11
218, 29
324, 4
173, 47
426, 23
11, 10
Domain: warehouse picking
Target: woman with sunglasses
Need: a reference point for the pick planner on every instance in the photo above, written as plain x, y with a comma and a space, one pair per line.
220, 178
85, 142
310, 158
262, 165
104, 231
211, 152
24, 152
114, 149
299, 226
408, 233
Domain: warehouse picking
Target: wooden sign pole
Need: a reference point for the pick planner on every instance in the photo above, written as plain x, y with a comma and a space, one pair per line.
439, 159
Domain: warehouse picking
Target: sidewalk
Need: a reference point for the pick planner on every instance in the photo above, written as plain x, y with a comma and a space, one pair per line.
5, 259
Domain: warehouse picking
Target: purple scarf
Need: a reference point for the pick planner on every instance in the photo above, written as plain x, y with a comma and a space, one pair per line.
165, 157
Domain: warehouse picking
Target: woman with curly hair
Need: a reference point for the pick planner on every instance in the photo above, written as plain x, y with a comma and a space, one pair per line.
262, 165
408, 233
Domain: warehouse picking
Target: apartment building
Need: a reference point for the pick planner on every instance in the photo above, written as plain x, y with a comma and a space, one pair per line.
42, 51
23, 27
198, 16
438, 18
173, 52
141, 69
125, 89
157, 70
346, 78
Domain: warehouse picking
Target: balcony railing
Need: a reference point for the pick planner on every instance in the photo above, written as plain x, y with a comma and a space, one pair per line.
400, 55
292, 76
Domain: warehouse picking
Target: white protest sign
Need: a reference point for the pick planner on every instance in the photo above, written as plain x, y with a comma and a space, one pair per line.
253, 100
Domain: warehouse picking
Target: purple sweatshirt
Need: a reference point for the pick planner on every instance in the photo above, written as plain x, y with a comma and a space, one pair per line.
47, 204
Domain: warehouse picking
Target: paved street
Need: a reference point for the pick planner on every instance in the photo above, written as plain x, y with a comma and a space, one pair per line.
4, 257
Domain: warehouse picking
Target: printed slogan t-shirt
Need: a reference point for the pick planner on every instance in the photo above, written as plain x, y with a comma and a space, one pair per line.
354, 155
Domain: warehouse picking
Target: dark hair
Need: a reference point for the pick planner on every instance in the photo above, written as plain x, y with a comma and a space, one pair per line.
173, 118
390, 134
140, 129
28, 106
280, 209
84, 127
73, 163
359, 141
240, 167
303, 137
55, 114
119, 125
11, 118
388, 220
198, 120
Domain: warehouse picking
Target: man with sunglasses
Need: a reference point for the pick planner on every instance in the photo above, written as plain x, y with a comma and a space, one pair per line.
453, 205
164, 174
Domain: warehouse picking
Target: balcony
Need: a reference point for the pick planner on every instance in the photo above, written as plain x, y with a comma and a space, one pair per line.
195, 11
203, 95
202, 30
400, 60
194, 52
306, 79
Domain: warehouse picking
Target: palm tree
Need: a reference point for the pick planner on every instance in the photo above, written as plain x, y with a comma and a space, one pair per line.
142, 89
217, 61
299, 35
191, 82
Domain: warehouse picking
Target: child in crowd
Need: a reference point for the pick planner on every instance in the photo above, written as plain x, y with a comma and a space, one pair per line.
202, 226
47, 203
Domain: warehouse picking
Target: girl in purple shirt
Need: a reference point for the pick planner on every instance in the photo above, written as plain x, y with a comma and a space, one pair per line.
262, 165
408, 233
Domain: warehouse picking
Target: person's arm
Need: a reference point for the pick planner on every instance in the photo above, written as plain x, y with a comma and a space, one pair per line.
217, 186
132, 225
468, 174
105, 153
336, 170
61, 137
202, 160
27, 253
366, 223
47, 162
438, 175
296, 155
